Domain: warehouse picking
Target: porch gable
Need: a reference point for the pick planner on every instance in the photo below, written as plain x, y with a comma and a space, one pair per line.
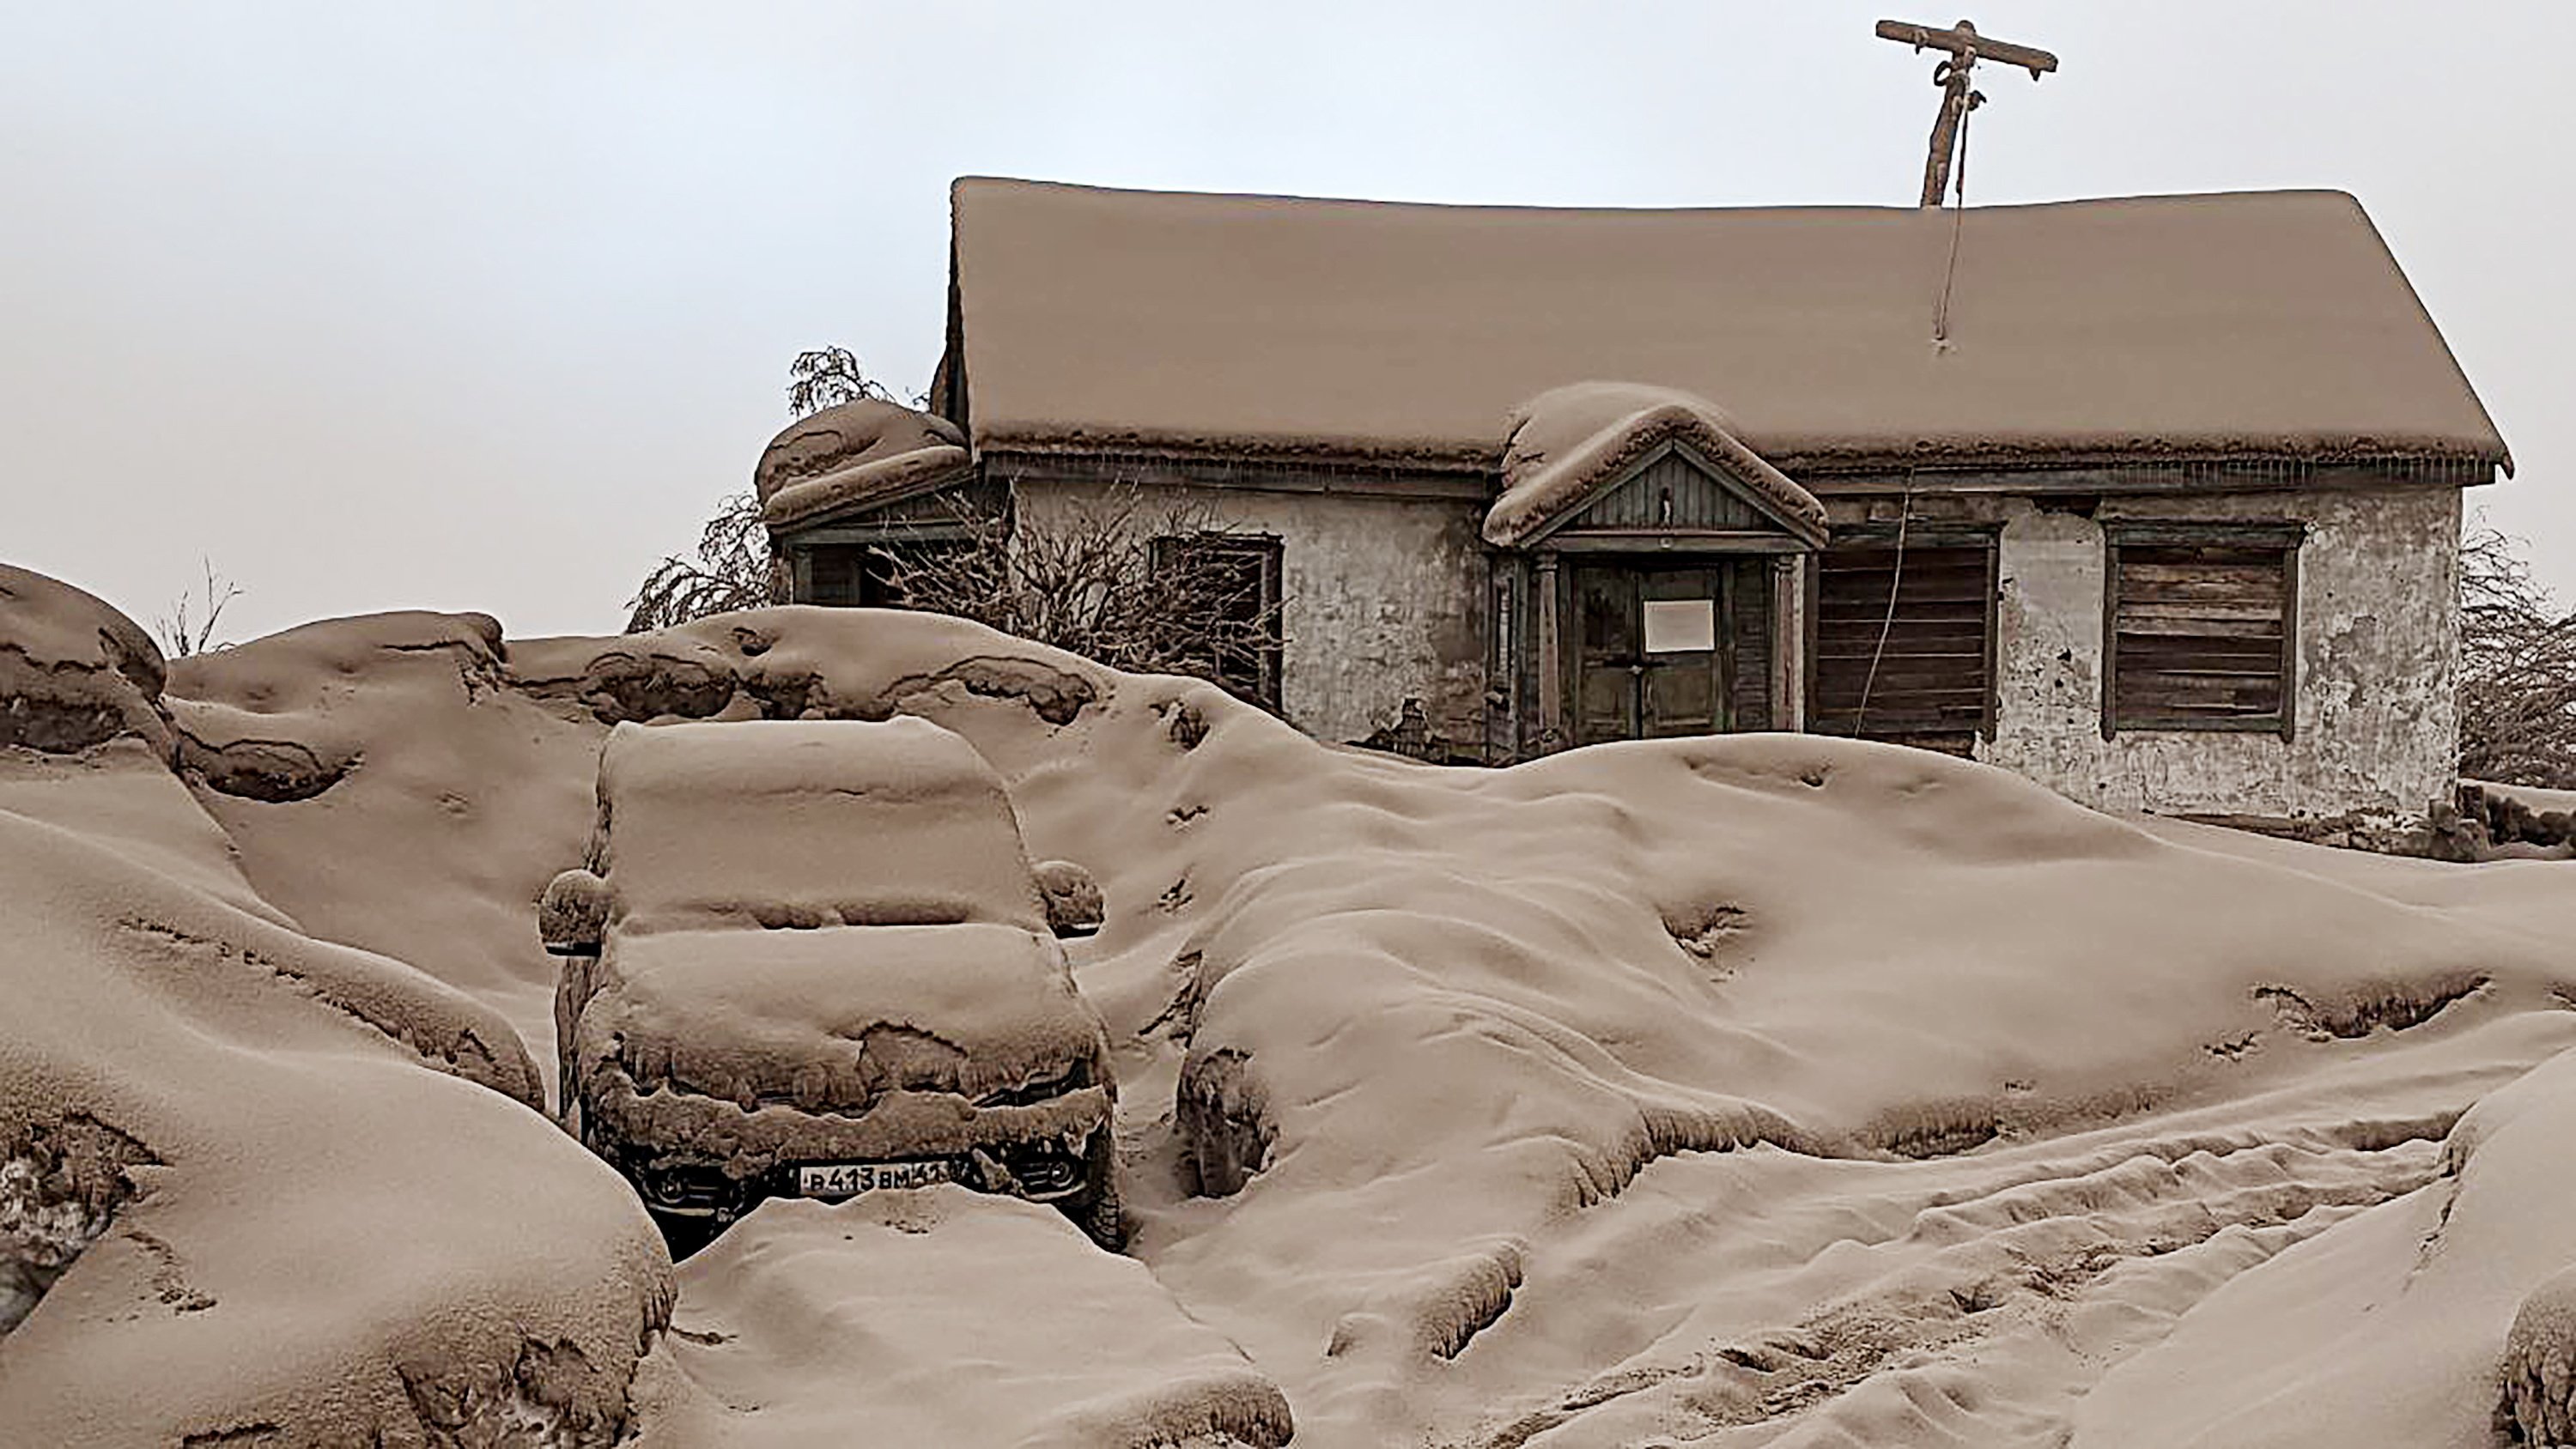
1672, 496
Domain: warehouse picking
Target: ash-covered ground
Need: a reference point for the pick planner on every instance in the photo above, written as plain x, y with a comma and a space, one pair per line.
1747, 1090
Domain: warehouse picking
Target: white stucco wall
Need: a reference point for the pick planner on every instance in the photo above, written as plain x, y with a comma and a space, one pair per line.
1384, 599
1381, 600
2378, 656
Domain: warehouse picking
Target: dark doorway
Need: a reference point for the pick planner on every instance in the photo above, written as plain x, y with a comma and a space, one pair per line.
845, 576
866, 575
1655, 649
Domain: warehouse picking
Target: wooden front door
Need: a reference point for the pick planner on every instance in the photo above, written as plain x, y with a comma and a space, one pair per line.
1653, 652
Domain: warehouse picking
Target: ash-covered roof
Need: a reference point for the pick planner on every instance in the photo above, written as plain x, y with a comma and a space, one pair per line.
854, 455
2261, 323
1569, 442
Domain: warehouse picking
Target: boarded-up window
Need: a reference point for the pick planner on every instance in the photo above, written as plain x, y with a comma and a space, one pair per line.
1904, 638
1230, 583
2201, 626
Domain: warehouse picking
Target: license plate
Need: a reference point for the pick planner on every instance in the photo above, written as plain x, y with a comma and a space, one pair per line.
848, 1179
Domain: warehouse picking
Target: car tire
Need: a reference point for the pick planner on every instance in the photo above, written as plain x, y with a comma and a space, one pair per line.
684, 1234
1096, 1209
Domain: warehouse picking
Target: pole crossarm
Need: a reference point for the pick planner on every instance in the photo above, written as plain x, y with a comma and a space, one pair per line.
1963, 41
1964, 47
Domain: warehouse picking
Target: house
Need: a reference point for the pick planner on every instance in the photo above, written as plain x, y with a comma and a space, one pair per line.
2154, 500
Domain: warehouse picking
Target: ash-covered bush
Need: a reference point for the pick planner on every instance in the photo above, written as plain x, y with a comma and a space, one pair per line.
2539, 1396
60, 1185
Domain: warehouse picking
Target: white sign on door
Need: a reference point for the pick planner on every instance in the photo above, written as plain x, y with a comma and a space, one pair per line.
1680, 626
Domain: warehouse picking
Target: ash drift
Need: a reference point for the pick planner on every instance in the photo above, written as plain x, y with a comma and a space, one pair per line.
1767, 1090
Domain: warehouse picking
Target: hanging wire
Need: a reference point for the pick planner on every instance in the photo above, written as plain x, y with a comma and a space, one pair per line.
1958, 218
1887, 621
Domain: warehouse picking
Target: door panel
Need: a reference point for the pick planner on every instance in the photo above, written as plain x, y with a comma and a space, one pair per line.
1682, 700
1605, 705
1682, 693
1653, 651
1607, 646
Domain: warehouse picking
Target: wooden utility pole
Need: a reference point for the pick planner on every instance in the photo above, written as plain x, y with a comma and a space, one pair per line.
1966, 47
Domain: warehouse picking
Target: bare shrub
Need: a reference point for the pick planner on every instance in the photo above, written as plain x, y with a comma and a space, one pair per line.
1140, 588
2517, 693
829, 376
189, 627
734, 569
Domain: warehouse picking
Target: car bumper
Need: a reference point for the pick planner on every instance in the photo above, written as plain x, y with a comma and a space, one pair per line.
1042, 1152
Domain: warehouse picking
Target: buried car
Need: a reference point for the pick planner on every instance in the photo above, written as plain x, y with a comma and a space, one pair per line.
812, 959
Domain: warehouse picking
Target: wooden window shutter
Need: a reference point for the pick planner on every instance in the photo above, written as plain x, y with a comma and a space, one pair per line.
1904, 649
2200, 626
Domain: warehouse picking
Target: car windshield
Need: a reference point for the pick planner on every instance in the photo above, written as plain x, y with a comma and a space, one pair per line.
811, 823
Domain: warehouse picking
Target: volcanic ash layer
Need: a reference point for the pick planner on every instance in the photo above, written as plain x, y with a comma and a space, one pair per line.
1754, 1090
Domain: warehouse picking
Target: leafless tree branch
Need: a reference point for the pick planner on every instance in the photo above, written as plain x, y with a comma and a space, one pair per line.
2517, 693
828, 376
189, 627
734, 569
1138, 588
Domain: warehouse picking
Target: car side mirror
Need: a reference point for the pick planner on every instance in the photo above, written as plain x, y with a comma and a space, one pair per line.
1073, 904
572, 913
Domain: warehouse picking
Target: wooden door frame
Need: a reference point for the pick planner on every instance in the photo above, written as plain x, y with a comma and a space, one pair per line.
1555, 656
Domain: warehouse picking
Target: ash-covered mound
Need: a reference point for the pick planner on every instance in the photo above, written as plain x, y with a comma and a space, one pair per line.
205, 1116
256, 1186
946, 1317
73, 672
2415, 1324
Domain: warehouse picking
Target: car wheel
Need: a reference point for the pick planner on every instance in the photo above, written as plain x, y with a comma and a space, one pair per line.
684, 1233
588, 1134
1096, 1209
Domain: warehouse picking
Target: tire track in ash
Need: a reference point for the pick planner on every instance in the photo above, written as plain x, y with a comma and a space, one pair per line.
1763, 1297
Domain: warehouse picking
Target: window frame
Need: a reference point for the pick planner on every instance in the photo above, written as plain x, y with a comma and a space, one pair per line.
2267, 534
1268, 554
1985, 535
871, 565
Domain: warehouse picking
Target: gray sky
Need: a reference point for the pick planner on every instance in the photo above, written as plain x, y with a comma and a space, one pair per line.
483, 306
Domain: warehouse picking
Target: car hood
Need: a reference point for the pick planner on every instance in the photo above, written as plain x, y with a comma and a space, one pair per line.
831, 1020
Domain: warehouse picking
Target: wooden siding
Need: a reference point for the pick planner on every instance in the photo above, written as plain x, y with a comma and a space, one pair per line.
1748, 584
855, 575
1931, 682
1670, 492
948, 514
2201, 630
832, 574
1510, 641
